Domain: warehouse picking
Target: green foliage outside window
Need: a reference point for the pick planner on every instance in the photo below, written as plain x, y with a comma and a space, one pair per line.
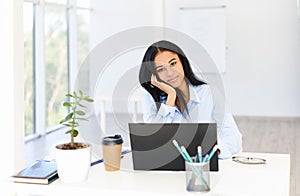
56, 63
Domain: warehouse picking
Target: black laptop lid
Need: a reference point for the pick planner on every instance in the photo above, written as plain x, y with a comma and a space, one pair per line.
152, 147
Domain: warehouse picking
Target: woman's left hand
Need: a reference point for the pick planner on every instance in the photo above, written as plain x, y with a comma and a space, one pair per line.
166, 88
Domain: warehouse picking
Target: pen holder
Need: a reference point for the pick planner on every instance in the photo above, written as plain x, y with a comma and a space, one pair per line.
197, 176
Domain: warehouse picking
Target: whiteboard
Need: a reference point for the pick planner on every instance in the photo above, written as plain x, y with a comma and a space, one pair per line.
204, 23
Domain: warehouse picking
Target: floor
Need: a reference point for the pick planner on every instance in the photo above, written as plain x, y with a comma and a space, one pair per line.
260, 134
274, 135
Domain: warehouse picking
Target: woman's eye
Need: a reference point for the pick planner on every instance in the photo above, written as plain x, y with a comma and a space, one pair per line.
159, 70
173, 63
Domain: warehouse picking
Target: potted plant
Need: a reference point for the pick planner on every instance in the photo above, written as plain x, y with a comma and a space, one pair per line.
73, 159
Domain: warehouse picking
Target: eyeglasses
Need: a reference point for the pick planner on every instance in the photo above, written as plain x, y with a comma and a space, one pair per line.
249, 160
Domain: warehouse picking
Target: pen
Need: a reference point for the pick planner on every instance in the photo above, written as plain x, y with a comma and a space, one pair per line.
205, 158
180, 151
42, 160
186, 154
212, 152
199, 150
101, 160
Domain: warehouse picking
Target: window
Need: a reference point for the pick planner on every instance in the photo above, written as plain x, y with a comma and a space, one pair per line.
56, 58
52, 31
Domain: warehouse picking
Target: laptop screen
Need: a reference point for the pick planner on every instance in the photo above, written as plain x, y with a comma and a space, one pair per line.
152, 147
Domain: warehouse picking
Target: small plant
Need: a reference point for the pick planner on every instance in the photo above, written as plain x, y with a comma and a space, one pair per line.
76, 113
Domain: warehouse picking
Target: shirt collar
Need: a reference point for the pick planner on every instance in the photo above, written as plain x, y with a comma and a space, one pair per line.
193, 94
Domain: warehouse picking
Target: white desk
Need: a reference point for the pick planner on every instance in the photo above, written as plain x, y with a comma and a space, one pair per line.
232, 179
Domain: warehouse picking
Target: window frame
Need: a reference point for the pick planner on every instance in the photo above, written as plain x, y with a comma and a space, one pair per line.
39, 64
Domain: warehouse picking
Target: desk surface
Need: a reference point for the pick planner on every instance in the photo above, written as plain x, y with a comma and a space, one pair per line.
232, 179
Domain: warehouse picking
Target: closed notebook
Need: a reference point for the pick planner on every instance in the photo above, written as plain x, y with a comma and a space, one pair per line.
41, 172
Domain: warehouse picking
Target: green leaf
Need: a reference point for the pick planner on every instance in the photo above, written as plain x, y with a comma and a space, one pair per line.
67, 124
67, 104
67, 132
88, 99
69, 116
69, 95
80, 92
72, 122
74, 133
81, 113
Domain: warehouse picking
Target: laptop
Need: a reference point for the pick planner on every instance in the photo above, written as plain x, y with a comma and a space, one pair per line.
152, 147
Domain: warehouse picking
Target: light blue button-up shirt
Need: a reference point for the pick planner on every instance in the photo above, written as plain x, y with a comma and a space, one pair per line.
202, 107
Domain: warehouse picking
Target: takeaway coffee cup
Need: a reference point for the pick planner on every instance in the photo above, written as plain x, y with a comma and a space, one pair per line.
112, 146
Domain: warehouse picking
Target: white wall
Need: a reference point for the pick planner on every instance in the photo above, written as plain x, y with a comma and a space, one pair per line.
113, 16
11, 99
263, 67
263, 61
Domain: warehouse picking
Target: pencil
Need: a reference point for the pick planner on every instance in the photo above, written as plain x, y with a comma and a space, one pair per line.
186, 154
199, 150
179, 150
212, 152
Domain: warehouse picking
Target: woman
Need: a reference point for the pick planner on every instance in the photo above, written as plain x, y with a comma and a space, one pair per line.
176, 95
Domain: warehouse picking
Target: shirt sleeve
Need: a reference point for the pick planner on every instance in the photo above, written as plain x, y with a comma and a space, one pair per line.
229, 136
165, 114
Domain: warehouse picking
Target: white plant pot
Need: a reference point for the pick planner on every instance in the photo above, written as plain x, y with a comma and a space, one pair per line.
73, 165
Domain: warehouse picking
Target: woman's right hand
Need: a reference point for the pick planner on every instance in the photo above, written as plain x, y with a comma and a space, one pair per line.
166, 88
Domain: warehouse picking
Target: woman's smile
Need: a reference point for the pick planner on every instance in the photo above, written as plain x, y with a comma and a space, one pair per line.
172, 80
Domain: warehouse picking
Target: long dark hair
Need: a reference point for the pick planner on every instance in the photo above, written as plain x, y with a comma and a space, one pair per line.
147, 69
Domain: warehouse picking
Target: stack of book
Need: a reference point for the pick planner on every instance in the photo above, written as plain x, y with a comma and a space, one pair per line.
41, 172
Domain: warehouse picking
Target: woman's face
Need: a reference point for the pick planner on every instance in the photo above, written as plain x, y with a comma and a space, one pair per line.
169, 68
